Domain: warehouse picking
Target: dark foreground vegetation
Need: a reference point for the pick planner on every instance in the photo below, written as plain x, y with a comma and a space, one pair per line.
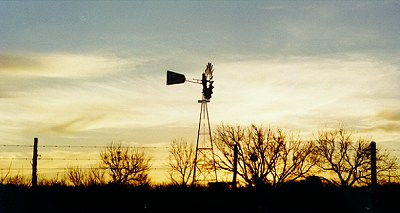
291, 197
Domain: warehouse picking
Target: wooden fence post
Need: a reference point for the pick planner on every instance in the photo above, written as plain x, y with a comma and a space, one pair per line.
235, 161
34, 162
373, 164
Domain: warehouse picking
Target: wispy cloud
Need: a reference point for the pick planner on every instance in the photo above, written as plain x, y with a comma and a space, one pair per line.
306, 91
63, 65
64, 93
298, 92
386, 121
16, 63
391, 115
386, 128
76, 125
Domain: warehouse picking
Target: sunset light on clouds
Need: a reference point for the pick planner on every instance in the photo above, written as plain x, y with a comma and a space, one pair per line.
89, 73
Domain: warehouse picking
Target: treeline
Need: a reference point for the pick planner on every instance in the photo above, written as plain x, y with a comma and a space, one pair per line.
267, 156
258, 156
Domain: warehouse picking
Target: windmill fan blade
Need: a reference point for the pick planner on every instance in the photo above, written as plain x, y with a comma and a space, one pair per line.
175, 78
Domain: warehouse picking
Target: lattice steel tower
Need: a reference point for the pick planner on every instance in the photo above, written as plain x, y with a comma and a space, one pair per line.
204, 163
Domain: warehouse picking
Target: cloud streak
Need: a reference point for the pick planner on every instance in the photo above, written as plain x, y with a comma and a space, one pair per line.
391, 115
78, 124
15, 63
63, 65
306, 91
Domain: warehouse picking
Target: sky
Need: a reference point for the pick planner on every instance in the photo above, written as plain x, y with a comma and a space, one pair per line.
94, 72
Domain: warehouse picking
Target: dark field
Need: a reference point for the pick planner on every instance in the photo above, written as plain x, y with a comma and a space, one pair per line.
288, 198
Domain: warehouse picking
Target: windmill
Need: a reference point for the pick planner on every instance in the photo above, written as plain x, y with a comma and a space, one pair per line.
204, 170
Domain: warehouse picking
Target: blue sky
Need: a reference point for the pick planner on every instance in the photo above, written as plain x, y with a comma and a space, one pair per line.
92, 72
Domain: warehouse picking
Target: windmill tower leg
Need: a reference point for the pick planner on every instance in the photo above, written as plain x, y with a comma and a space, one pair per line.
204, 170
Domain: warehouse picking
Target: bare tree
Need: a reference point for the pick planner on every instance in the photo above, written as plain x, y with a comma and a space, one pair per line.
255, 158
76, 176
292, 157
53, 181
225, 139
125, 166
181, 162
264, 155
346, 160
94, 176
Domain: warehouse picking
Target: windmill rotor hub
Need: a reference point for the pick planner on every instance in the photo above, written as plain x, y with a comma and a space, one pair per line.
206, 80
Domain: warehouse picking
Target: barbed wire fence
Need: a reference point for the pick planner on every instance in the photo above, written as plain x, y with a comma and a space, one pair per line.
55, 160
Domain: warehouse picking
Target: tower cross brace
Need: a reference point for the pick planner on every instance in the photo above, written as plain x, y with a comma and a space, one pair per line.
204, 163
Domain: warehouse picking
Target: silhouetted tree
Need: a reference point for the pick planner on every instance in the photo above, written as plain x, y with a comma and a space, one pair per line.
76, 176
346, 160
53, 181
125, 166
264, 155
293, 158
181, 162
94, 176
